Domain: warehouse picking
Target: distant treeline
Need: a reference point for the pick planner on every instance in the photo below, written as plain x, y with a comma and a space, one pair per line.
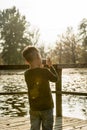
15, 34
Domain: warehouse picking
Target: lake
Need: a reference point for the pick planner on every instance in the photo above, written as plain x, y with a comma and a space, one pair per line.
17, 105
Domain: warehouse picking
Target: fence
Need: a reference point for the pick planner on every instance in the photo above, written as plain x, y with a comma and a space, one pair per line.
58, 90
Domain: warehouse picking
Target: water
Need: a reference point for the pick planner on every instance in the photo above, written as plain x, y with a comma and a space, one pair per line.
17, 105
75, 80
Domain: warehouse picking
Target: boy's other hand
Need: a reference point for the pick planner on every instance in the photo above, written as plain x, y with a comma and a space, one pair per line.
49, 62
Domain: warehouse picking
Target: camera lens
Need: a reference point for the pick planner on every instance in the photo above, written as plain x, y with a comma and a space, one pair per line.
44, 61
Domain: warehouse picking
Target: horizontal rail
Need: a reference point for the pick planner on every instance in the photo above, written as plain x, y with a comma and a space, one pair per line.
72, 93
58, 92
9, 67
12, 93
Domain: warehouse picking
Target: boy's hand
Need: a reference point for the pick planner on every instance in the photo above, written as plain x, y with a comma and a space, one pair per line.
48, 62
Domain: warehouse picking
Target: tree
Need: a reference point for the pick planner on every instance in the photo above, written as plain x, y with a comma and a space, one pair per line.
83, 38
66, 47
83, 31
70, 44
34, 35
13, 35
56, 53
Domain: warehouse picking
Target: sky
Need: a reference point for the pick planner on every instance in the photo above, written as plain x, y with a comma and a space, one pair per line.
52, 17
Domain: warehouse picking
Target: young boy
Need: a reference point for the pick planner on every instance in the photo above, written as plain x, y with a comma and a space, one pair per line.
40, 98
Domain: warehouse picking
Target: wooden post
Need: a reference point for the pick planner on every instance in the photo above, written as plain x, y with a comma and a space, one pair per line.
59, 96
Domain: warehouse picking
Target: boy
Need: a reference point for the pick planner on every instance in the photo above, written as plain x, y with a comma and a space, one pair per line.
40, 98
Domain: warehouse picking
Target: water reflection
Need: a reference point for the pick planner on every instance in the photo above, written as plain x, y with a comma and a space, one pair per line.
17, 105
14, 105
75, 106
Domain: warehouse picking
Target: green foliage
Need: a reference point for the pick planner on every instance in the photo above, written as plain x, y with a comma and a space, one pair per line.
83, 38
12, 29
83, 31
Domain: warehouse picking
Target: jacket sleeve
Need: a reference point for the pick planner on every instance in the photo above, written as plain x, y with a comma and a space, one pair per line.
26, 79
52, 74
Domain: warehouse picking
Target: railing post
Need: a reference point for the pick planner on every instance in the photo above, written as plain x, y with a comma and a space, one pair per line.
59, 96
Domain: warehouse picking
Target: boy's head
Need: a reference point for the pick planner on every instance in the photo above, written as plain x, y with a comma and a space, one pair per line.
30, 54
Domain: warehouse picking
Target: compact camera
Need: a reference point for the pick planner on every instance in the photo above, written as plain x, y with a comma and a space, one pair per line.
44, 61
